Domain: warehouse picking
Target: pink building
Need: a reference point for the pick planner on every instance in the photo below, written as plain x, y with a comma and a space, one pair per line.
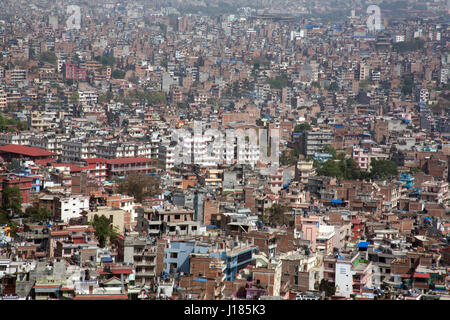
73, 72
361, 157
310, 228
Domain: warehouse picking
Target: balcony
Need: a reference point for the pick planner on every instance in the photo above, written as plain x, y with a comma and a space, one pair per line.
145, 274
145, 263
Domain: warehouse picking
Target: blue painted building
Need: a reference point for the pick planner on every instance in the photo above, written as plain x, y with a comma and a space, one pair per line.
322, 157
235, 259
407, 179
35, 184
177, 255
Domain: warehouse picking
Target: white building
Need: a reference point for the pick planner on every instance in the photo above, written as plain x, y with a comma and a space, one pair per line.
71, 207
444, 76
88, 97
73, 151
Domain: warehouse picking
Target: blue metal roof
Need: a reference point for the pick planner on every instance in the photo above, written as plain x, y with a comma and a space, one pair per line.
336, 201
364, 244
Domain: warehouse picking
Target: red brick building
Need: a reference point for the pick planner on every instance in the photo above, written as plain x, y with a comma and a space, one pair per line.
23, 183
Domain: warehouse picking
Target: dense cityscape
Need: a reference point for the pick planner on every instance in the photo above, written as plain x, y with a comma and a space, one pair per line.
224, 150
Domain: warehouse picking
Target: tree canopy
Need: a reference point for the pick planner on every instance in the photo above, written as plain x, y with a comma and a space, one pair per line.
8, 124
139, 186
383, 169
48, 57
118, 74
11, 200
36, 213
348, 169
327, 287
302, 127
277, 215
106, 60
104, 230
278, 82
289, 157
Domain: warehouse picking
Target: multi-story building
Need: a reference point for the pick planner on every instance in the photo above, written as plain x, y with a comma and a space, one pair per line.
303, 170
97, 168
125, 166
236, 255
141, 253
15, 138
15, 181
88, 98
16, 75
349, 272
64, 207
302, 270
177, 255
3, 99
73, 72
75, 151
315, 140
435, 191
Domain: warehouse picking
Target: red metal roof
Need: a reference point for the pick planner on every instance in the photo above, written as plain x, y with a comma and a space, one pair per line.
422, 275
121, 270
25, 150
128, 160
95, 160
73, 168
44, 162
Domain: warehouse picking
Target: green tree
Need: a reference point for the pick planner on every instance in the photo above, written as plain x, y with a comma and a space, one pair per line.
104, 230
383, 169
289, 157
118, 74
302, 127
8, 124
48, 57
363, 84
330, 150
11, 200
327, 287
38, 214
408, 84
213, 101
106, 60
315, 84
156, 97
330, 168
351, 170
277, 215
278, 82
75, 97
139, 186
181, 105
333, 86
